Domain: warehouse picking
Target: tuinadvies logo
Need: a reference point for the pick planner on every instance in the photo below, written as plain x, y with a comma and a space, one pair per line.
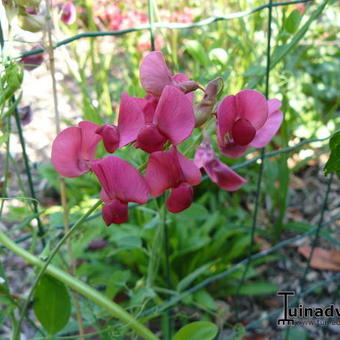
303, 315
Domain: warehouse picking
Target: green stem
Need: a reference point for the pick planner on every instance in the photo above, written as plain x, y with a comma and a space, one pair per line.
28, 173
72, 282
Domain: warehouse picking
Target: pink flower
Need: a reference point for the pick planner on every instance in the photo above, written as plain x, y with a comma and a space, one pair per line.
121, 183
155, 75
171, 170
246, 119
130, 122
218, 172
74, 148
173, 120
68, 13
33, 61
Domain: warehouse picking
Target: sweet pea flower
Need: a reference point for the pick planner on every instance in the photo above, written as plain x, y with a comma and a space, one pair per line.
130, 122
246, 119
74, 148
173, 120
171, 170
68, 13
33, 61
219, 173
121, 183
155, 75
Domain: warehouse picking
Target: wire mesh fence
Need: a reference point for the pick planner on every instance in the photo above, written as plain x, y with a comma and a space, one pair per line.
271, 62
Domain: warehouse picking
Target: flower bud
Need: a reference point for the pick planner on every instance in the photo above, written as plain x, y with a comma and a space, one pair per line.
28, 3
205, 108
188, 86
33, 61
68, 13
31, 23
32, 10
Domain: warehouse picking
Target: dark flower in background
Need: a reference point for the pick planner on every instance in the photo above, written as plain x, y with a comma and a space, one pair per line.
31, 62
25, 114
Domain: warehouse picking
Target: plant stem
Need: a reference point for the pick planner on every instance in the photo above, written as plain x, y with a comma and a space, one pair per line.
79, 286
41, 231
43, 269
260, 175
72, 267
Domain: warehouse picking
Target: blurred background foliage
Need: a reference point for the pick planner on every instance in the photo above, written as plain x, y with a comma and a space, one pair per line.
125, 261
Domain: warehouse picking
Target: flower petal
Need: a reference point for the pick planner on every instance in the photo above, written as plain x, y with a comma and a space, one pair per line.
252, 105
226, 115
223, 176
273, 105
66, 153
232, 150
104, 196
243, 132
115, 211
180, 198
163, 172
68, 13
174, 115
150, 139
110, 135
154, 73
89, 139
190, 171
266, 133
203, 154
120, 180
131, 119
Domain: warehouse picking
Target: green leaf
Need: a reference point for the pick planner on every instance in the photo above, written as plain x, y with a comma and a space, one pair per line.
292, 22
204, 299
52, 304
333, 163
202, 330
184, 283
279, 53
255, 71
4, 138
197, 51
195, 212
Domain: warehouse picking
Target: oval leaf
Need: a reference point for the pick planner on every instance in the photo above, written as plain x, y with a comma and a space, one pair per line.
202, 330
52, 305
293, 21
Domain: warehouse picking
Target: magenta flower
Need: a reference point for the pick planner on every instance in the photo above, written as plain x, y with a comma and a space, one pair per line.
155, 75
121, 183
171, 170
74, 148
246, 119
173, 120
218, 172
68, 13
33, 61
130, 122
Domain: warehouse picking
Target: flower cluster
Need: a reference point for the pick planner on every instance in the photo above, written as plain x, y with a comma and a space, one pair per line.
158, 124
